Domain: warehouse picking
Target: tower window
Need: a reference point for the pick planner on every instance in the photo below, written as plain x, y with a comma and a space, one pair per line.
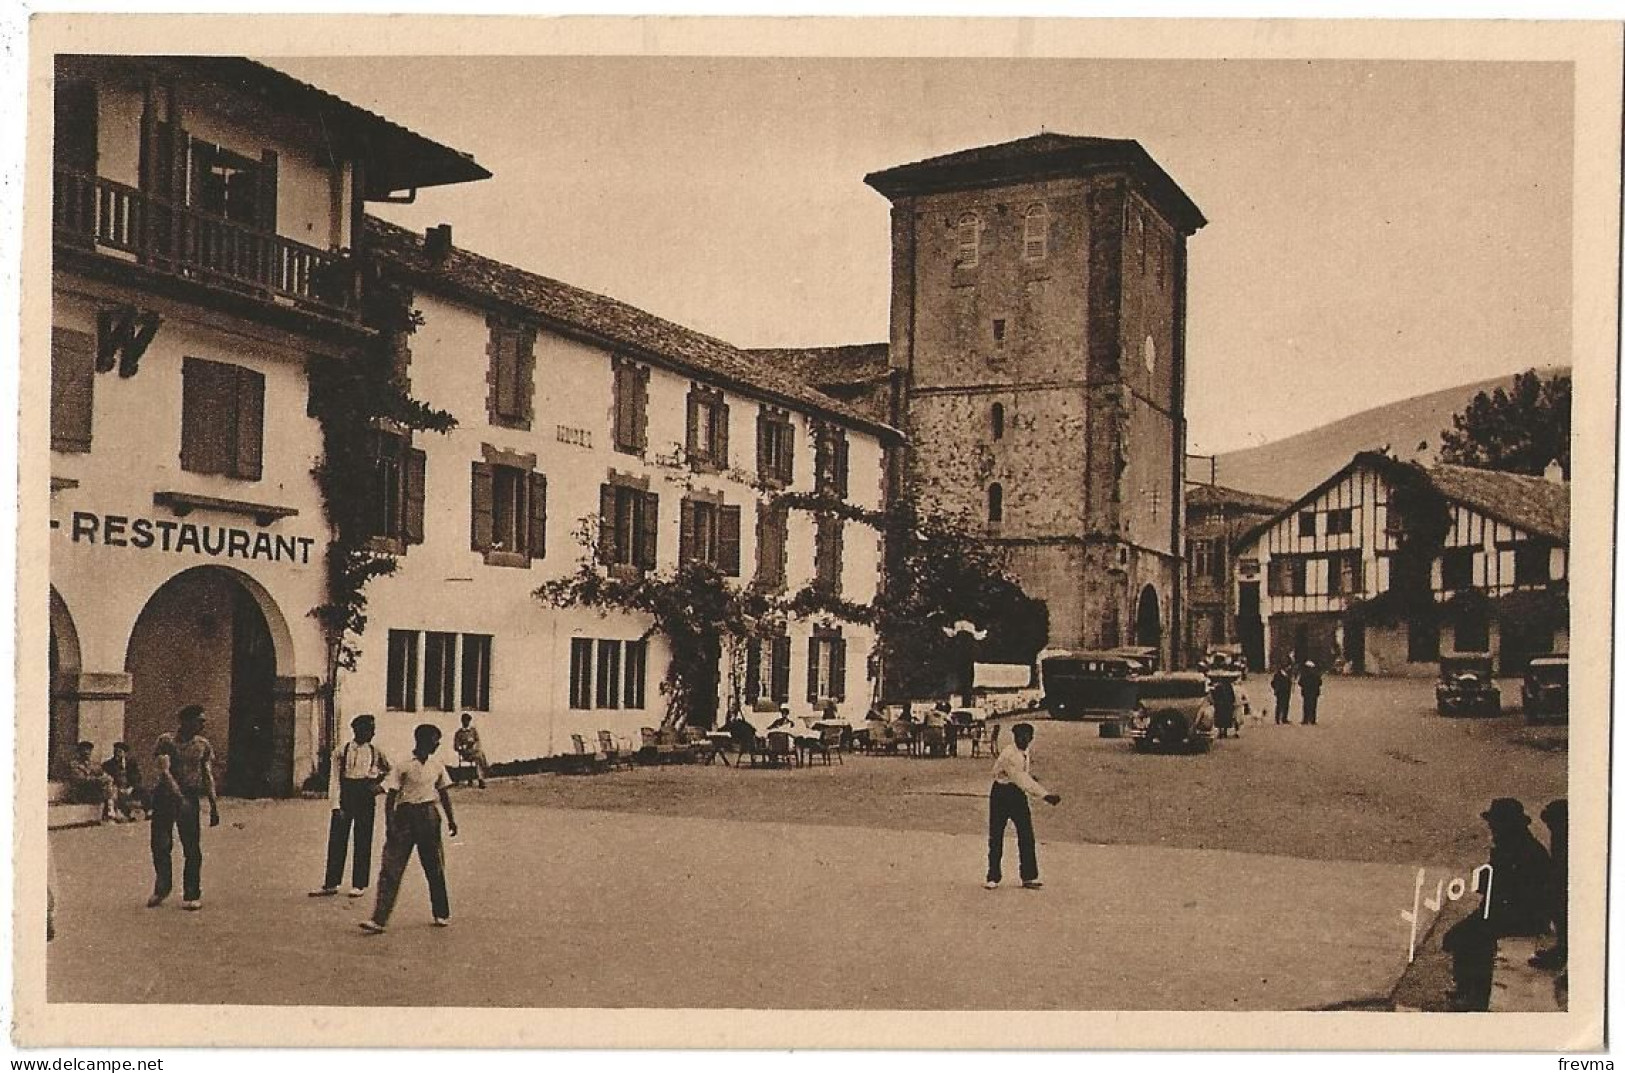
995, 503
998, 420
1035, 234
970, 241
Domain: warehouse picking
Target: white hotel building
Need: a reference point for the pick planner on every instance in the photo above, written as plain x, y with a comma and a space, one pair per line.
580, 415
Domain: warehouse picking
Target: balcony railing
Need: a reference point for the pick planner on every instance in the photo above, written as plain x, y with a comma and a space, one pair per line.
98, 213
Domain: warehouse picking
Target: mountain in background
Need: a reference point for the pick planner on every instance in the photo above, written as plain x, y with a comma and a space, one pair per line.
1290, 467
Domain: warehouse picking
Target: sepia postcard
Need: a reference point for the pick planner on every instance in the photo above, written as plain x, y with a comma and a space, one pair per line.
886, 533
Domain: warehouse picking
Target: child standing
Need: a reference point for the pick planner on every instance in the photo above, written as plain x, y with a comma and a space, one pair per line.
412, 821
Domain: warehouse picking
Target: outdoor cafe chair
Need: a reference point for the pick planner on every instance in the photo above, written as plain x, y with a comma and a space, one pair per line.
612, 753
699, 745
585, 761
827, 742
781, 746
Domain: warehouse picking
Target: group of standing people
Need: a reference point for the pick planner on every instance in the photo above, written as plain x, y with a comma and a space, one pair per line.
1308, 678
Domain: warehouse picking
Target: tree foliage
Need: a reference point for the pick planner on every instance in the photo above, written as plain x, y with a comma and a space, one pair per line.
1419, 521
1521, 431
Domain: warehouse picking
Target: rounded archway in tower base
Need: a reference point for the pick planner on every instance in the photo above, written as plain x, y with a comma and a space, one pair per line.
1148, 620
210, 636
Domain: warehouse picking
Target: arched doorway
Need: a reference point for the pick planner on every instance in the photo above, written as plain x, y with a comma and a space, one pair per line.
64, 705
1148, 620
212, 636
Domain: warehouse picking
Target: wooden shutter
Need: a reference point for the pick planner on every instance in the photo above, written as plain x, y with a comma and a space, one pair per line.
607, 524
753, 670
640, 383
625, 422
812, 669
685, 533
719, 435
837, 668
764, 429
73, 389
415, 466
781, 668
787, 453
693, 439
265, 193
840, 464
208, 397
480, 514
765, 554
538, 515
728, 540
648, 546
505, 370
249, 388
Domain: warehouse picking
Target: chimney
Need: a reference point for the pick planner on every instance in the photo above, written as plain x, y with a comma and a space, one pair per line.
437, 242
1554, 472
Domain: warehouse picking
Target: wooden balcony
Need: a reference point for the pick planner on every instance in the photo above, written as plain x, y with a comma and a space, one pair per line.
105, 217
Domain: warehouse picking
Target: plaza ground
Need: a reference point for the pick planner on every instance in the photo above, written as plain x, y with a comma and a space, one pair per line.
1267, 874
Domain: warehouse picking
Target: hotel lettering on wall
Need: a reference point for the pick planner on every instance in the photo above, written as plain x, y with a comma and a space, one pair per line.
185, 538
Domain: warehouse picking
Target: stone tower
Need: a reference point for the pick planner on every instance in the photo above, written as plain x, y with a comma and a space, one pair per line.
1038, 335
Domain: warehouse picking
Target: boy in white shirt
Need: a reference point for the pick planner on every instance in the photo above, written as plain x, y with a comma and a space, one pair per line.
412, 821
1007, 802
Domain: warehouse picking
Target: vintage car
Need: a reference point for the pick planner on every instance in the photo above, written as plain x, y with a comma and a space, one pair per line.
1226, 658
1546, 689
1466, 687
1172, 711
1145, 659
1083, 685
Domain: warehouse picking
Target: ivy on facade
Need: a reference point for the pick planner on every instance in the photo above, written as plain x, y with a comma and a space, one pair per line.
1419, 520
351, 397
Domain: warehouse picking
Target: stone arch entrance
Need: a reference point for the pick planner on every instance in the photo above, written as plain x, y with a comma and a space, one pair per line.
64, 670
213, 636
1148, 620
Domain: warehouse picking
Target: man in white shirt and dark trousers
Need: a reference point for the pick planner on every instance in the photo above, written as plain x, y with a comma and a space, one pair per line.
1013, 784
413, 822
353, 784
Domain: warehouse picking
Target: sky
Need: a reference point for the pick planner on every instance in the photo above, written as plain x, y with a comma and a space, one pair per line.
1376, 229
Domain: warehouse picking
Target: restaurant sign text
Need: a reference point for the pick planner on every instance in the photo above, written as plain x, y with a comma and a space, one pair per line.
161, 534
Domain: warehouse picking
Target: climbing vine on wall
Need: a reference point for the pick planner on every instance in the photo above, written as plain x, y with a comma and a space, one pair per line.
1419, 520
350, 397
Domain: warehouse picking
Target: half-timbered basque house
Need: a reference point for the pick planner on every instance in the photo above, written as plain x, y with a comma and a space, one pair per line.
1498, 578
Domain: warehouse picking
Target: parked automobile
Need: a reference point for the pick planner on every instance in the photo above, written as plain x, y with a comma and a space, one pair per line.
1146, 659
1082, 685
1172, 711
1466, 687
1226, 658
1546, 689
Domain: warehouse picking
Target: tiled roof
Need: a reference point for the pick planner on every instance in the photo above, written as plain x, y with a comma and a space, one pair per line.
398, 158
1212, 496
1040, 156
819, 365
1532, 504
573, 310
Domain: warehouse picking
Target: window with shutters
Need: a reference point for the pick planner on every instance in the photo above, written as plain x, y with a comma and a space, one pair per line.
1345, 574
1289, 575
969, 241
73, 388
1531, 564
401, 686
511, 379
609, 674
772, 546
631, 432
827, 555
580, 673
707, 429
710, 534
629, 524
1306, 523
1340, 522
395, 515
477, 672
222, 419
1035, 234
826, 665
509, 509
233, 187
440, 671
767, 670
775, 448
830, 463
